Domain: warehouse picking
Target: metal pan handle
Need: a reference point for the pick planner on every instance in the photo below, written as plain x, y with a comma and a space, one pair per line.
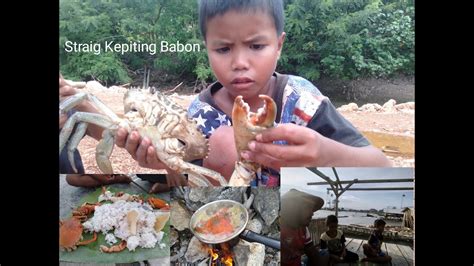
254, 237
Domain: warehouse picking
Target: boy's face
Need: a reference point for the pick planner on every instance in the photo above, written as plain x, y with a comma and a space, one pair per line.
380, 228
332, 227
243, 49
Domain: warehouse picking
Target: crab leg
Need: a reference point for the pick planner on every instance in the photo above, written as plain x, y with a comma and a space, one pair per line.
77, 98
91, 118
85, 242
198, 172
177, 164
116, 248
194, 181
81, 117
243, 174
104, 150
74, 142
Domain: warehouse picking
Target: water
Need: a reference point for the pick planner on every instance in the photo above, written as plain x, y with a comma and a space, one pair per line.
359, 218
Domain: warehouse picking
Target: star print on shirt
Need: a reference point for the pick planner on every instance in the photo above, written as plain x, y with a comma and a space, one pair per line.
207, 108
209, 119
200, 121
222, 118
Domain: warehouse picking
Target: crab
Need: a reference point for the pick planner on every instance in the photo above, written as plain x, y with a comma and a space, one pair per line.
82, 212
157, 203
174, 135
70, 234
246, 126
117, 248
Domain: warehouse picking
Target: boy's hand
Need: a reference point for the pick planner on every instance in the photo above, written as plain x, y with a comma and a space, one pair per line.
139, 148
303, 147
307, 147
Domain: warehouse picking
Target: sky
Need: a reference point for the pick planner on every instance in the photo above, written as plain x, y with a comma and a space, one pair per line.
298, 177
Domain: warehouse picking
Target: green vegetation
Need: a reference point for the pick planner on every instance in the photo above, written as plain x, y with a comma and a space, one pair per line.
333, 38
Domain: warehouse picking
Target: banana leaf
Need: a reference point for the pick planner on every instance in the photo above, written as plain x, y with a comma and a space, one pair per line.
91, 252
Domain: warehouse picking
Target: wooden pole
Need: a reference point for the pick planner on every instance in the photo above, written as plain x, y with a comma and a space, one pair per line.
379, 188
368, 181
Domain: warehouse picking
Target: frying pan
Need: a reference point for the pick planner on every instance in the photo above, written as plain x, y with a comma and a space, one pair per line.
236, 217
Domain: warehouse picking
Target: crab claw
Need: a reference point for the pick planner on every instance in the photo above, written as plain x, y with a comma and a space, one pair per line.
247, 124
265, 116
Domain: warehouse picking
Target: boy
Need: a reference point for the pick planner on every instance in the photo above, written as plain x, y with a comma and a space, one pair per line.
373, 249
334, 240
297, 210
244, 39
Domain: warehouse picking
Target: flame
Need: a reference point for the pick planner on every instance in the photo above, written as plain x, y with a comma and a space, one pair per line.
224, 255
227, 261
214, 254
227, 258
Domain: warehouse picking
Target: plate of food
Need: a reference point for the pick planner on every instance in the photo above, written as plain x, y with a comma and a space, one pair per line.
111, 225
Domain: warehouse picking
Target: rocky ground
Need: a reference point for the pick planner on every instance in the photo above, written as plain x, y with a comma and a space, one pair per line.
263, 206
392, 120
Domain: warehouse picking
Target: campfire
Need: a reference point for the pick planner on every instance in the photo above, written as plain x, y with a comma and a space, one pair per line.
221, 234
220, 256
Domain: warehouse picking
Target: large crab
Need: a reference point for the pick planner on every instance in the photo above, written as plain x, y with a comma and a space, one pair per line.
246, 126
175, 136
70, 234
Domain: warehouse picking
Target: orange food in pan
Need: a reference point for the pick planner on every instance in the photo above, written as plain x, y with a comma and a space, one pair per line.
219, 223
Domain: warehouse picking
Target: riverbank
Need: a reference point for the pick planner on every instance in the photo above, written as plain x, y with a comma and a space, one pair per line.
394, 123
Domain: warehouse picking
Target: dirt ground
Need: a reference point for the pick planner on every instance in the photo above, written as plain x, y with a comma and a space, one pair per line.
398, 123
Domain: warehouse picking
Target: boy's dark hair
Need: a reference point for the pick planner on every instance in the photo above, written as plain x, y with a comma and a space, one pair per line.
331, 219
211, 8
379, 222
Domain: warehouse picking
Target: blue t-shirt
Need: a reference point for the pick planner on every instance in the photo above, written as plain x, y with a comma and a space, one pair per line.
298, 101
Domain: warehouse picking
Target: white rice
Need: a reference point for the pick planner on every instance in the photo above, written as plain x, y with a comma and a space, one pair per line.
133, 242
105, 196
110, 239
113, 217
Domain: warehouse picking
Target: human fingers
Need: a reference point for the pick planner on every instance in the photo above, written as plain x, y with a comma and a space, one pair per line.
121, 137
142, 151
275, 155
288, 132
132, 143
263, 159
152, 160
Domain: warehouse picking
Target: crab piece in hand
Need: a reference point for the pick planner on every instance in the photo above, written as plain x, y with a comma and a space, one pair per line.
246, 126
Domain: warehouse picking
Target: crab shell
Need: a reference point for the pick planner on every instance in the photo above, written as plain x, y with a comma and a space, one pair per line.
70, 233
187, 137
247, 124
